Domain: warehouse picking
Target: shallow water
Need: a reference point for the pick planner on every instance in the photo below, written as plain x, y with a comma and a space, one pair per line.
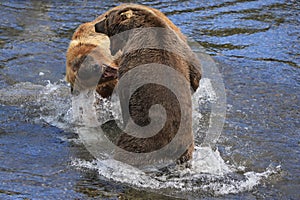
256, 47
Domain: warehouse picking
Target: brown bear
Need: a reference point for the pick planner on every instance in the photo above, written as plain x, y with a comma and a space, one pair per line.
89, 63
155, 11
166, 46
195, 74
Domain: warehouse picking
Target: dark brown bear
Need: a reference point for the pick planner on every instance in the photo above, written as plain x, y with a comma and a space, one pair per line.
166, 47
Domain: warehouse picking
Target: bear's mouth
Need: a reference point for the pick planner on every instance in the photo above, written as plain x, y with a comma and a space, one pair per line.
108, 73
91, 73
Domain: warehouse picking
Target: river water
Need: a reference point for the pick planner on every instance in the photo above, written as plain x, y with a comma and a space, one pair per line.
255, 46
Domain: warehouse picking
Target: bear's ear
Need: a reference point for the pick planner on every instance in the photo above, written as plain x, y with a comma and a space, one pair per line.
100, 27
127, 14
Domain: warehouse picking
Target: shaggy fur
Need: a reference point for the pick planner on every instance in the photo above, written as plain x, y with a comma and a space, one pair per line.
88, 57
173, 52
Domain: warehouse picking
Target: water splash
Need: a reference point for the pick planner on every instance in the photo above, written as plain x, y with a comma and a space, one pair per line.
211, 175
54, 103
208, 172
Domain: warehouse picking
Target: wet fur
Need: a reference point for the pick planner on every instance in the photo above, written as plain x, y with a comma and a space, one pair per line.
86, 50
131, 16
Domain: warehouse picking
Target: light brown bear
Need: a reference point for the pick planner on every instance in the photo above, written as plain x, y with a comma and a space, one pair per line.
173, 52
89, 63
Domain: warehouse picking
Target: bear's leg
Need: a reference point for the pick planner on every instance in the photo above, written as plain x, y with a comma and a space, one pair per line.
187, 155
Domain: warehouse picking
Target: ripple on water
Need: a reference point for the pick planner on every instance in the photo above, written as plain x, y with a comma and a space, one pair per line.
209, 174
258, 40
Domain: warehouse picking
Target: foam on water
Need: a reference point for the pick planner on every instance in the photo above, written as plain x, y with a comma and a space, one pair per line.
210, 175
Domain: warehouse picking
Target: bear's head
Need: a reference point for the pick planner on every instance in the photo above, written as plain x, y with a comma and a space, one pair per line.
90, 67
125, 19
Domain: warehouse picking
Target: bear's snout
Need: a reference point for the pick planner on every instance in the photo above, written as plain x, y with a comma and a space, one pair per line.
89, 69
